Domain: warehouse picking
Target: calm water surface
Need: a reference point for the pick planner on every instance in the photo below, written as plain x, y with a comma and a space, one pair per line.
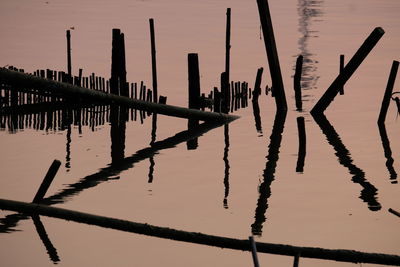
227, 186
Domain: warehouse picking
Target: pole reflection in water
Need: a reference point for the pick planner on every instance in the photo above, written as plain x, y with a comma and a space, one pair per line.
269, 173
308, 10
388, 153
227, 166
369, 192
51, 250
8, 223
153, 140
193, 143
118, 116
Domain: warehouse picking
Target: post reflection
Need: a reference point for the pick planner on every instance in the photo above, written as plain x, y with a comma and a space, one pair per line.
118, 116
369, 192
308, 11
153, 140
269, 173
227, 166
388, 152
8, 223
51, 250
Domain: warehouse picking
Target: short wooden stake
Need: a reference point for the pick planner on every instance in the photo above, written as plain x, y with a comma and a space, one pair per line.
51, 173
394, 212
69, 66
194, 81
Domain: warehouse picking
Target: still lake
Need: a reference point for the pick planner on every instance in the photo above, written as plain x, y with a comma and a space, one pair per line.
340, 200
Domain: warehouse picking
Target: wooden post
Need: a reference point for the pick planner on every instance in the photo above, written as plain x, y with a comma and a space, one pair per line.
388, 92
51, 173
217, 100
69, 67
297, 83
302, 144
257, 85
194, 81
228, 44
341, 66
272, 53
224, 93
153, 60
348, 70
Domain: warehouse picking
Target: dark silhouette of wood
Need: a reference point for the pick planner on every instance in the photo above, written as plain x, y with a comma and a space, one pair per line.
69, 64
272, 53
388, 92
394, 212
302, 144
341, 66
198, 238
153, 60
297, 83
51, 173
348, 71
228, 44
254, 100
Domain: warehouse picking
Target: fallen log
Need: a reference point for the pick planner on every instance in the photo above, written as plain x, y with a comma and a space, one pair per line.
21, 80
199, 238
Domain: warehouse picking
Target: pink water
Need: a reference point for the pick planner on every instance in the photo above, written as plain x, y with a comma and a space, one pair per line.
320, 207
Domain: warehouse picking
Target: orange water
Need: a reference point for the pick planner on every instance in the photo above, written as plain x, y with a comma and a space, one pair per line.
320, 207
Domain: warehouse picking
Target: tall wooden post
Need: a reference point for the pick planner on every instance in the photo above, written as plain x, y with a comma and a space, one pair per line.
153, 60
272, 53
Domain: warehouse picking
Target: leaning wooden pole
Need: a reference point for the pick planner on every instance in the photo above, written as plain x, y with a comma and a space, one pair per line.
22, 80
388, 92
348, 71
199, 238
272, 54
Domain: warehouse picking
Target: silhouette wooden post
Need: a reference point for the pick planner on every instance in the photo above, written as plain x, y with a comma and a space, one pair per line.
297, 83
302, 144
224, 92
194, 93
348, 70
272, 54
228, 43
69, 66
341, 66
153, 60
388, 92
194, 81
51, 173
